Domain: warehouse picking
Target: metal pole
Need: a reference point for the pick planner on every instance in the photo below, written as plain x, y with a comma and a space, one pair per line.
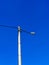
19, 47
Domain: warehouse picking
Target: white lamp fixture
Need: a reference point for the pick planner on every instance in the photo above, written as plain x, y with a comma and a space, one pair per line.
32, 33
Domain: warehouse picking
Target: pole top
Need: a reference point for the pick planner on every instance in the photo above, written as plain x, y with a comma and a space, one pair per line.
18, 28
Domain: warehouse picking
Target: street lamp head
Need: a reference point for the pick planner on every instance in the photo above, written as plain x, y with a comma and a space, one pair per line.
32, 33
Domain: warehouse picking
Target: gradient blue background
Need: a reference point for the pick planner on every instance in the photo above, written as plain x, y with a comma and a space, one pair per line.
31, 15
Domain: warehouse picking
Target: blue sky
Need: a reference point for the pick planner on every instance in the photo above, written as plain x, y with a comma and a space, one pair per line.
31, 15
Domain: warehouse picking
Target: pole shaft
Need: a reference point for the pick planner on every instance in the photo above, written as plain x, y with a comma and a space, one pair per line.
19, 47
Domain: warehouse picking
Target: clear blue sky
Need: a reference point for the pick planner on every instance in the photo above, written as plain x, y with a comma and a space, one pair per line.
31, 15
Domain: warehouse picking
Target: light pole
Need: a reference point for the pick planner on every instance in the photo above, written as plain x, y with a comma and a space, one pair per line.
19, 46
